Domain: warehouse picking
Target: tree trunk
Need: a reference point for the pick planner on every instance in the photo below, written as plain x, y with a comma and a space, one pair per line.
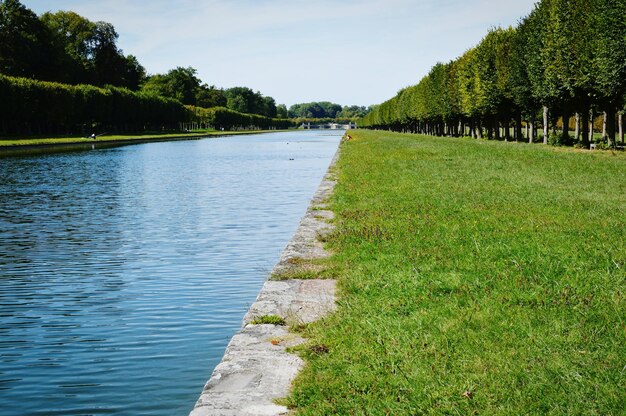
591, 126
577, 128
620, 121
479, 130
565, 132
585, 133
518, 127
604, 126
526, 131
496, 128
531, 136
610, 125
545, 125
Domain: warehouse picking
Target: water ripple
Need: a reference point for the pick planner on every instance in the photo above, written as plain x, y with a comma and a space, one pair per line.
124, 272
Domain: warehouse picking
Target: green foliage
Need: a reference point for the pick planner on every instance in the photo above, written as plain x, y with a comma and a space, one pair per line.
208, 97
180, 84
226, 119
281, 111
83, 51
24, 47
323, 109
269, 319
609, 45
353, 112
244, 100
28, 106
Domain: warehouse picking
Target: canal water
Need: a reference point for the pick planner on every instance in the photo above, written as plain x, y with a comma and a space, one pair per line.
124, 272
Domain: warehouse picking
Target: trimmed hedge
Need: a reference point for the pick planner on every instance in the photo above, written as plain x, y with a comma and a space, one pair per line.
223, 118
29, 107
37, 107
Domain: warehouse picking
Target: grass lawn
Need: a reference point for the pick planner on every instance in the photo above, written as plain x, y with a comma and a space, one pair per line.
150, 136
475, 278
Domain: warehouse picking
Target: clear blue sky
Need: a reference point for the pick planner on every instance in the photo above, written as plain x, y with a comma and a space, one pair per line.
346, 51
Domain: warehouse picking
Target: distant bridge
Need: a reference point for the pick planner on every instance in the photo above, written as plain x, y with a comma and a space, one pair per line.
328, 126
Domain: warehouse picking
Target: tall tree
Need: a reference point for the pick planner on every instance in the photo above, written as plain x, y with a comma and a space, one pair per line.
180, 83
134, 74
609, 61
208, 97
109, 64
87, 52
245, 100
24, 42
281, 111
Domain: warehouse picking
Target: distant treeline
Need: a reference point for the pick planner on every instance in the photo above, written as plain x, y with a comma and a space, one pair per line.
567, 59
327, 120
325, 109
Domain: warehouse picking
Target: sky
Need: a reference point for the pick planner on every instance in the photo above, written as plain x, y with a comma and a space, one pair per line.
351, 52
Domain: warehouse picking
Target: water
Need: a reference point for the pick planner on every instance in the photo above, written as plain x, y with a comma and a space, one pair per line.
124, 272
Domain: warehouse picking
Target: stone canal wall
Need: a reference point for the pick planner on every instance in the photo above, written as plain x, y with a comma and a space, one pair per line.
256, 368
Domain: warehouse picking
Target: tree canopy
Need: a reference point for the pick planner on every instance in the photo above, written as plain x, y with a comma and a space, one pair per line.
567, 56
63, 47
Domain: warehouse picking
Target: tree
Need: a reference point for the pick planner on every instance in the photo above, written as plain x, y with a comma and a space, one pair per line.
567, 56
209, 97
268, 107
244, 100
281, 111
322, 109
353, 111
135, 73
609, 60
71, 36
180, 83
109, 64
24, 42
86, 52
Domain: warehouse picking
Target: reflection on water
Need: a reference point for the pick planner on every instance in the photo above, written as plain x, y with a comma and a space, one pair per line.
124, 272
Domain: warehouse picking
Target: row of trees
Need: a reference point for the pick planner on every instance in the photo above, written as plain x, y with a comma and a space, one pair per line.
325, 109
567, 59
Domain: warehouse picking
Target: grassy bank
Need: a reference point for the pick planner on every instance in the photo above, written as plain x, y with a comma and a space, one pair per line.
42, 141
476, 278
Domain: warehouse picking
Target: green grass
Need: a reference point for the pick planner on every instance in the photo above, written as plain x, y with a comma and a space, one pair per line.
491, 268
269, 319
36, 140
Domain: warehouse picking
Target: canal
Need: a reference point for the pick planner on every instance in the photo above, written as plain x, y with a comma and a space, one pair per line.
124, 272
